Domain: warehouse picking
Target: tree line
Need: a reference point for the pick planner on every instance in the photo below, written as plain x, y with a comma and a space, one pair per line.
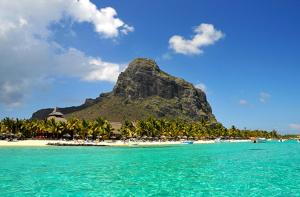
148, 129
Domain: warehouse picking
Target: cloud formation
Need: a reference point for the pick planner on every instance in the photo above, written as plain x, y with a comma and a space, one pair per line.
29, 56
205, 35
104, 20
102, 71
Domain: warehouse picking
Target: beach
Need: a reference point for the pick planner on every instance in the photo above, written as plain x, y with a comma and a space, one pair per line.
39, 143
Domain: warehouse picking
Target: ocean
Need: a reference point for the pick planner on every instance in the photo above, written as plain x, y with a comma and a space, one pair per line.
223, 169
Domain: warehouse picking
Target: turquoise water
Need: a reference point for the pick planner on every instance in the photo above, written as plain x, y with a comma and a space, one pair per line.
225, 169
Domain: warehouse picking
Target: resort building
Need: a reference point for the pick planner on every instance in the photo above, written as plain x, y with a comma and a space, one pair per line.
57, 116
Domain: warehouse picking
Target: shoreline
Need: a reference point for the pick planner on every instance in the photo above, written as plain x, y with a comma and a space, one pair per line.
118, 143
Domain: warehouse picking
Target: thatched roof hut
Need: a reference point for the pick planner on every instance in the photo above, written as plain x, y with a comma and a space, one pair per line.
57, 116
116, 125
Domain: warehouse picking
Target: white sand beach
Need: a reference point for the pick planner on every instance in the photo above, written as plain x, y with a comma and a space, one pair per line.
37, 143
26, 142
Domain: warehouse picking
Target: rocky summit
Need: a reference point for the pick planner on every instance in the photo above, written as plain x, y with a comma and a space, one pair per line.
143, 90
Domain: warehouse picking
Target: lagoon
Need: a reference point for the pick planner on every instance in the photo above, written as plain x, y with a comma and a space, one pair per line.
223, 169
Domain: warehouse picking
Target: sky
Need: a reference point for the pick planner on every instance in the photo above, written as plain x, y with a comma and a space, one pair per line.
244, 54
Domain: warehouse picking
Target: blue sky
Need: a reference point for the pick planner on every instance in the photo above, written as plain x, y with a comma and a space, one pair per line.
250, 72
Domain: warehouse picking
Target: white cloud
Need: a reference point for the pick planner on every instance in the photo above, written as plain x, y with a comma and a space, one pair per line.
126, 29
243, 102
205, 35
104, 20
103, 71
28, 56
202, 87
294, 126
264, 97
86, 68
43, 12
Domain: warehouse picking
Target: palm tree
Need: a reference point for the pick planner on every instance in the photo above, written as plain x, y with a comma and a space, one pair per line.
56, 128
73, 127
127, 129
150, 127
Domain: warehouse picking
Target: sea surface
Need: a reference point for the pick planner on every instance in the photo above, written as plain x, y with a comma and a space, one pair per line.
223, 169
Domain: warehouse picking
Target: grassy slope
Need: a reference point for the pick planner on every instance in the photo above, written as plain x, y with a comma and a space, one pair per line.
117, 109
112, 108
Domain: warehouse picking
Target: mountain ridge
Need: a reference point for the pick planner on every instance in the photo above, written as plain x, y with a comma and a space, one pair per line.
141, 91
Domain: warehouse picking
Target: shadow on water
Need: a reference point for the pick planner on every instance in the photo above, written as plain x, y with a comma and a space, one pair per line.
256, 149
153, 147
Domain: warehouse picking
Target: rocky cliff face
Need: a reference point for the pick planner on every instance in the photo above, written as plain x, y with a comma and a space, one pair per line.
144, 90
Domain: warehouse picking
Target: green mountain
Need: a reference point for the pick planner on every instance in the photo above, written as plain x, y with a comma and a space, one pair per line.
141, 91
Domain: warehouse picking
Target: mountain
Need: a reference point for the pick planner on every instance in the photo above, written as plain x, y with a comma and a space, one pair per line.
141, 91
